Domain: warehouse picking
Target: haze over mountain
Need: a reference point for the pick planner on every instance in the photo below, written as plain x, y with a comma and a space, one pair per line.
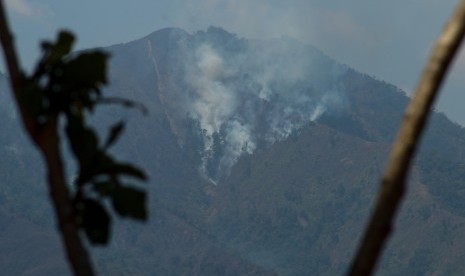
263, 155
242, 94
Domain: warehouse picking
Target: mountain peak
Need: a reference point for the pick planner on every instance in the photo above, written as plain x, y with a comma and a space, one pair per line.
219, 32
168, 32
240, 95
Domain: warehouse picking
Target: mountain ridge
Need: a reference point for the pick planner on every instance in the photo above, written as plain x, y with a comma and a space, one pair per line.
298, 192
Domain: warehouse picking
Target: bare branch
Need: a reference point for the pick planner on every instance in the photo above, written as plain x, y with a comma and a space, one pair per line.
415, 118
46, 139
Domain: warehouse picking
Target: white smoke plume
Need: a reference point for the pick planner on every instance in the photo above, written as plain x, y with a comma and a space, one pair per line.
254, 96
213, 103
239, 139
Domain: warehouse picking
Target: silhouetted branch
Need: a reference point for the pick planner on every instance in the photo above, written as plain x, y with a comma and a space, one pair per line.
46, 139
415, 118
125, 103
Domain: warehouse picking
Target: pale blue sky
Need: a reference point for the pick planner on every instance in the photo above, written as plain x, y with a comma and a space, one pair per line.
386, 39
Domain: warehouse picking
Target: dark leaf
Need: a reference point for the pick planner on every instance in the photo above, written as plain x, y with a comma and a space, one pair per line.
115, 132
95, 221
87, 71
129, 202
83, 141
109, 167
124, 103
129, 170
58, 50
104, 188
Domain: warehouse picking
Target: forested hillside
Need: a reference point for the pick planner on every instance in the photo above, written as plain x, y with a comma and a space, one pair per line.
263, 157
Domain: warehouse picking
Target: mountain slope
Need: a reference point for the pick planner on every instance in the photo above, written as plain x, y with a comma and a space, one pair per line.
263, 157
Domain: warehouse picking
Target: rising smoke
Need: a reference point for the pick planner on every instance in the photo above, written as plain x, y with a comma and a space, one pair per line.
251, 94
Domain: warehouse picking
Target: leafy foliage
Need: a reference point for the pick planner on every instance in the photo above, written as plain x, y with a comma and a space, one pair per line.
68, 85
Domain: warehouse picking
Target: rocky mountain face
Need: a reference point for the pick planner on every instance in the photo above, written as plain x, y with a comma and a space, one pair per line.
263, 157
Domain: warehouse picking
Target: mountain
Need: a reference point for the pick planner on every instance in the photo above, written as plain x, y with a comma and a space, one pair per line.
264, 157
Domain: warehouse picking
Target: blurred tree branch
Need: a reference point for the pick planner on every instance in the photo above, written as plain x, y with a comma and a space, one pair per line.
415, 118
45, 137
66, 87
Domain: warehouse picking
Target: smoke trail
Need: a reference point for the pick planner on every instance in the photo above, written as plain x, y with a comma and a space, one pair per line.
213, 102
248, 94
317, 112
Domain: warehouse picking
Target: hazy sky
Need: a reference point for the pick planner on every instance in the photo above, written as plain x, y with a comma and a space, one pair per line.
387, 39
